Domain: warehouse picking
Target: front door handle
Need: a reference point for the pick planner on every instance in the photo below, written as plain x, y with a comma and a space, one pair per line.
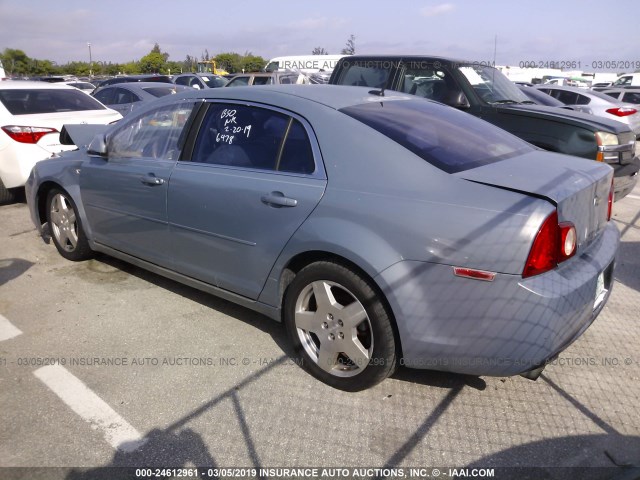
151, 179
278, 200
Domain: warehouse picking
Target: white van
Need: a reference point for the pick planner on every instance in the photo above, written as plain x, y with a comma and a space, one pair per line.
3, 75
304, 63
627, 80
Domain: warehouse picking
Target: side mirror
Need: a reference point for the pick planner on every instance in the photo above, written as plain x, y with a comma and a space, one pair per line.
458, 100
98, 146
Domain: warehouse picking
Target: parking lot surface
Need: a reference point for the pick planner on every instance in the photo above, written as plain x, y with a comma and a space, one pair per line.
103, 364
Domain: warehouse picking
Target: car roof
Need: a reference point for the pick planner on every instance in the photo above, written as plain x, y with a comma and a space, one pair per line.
562, 87
333, 96
621, 89
447, 60
198, 74
32, 85
142, 85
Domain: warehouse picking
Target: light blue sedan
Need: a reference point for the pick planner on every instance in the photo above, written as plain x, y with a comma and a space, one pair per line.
381, 228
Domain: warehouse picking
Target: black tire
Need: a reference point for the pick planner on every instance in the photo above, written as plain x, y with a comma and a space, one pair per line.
7, 195
65, 227
351, 322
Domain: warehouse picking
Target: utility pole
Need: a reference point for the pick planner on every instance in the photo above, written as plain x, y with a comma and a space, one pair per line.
90, 60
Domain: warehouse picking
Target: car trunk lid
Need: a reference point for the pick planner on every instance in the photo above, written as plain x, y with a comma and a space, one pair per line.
579, 188
52, 142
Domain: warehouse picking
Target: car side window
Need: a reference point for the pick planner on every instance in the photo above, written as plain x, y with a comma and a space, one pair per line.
582, 100
182, 81
631, 97
364, 75
626, 80
568, 98
124, 96
238, 82
262, 80
434, 84
105, 96
155, 134
253, 137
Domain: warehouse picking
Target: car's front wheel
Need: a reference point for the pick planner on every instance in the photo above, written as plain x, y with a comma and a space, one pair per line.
66, 229
340, 327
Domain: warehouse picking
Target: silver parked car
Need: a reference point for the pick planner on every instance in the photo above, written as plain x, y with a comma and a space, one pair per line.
626, 95
596, 103
200, 80
381, 228
127, 97
262, 78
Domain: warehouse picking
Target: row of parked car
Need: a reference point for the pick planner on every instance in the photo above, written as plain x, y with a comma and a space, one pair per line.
480, 90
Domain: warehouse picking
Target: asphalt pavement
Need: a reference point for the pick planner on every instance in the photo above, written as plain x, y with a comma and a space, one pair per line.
105, 365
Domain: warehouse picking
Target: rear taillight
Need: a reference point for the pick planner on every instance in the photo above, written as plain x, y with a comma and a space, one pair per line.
568, 241
610, 204
554, 243
27, 134
621, 111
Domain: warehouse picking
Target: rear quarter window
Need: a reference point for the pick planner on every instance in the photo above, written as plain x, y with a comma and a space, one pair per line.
450, 140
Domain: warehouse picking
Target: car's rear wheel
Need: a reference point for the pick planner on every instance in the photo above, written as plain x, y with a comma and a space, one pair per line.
7, 195
340, 327
66, 229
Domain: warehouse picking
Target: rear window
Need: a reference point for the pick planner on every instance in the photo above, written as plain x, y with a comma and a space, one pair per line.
160, 91
448, 139
27, 102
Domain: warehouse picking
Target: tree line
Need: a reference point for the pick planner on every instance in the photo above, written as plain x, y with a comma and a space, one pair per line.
18, 64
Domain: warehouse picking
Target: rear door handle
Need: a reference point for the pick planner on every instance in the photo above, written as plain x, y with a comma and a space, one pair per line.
151, 179
277, 199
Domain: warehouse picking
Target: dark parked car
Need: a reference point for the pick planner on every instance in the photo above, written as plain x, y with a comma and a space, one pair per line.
127, 97
382, 230
135, 78
200, 80
485, 92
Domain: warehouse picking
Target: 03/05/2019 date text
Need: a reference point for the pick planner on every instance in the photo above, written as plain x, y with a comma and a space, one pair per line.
578, 64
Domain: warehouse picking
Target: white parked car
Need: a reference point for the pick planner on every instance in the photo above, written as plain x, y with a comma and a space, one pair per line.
596, 103
31, 117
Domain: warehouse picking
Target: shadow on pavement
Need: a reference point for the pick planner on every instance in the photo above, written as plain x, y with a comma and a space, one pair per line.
11, 268
628, 265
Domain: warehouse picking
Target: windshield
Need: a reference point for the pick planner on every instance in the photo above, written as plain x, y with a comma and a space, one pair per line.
491, 85
213, 81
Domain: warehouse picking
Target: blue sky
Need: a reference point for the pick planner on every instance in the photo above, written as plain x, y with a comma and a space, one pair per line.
119, 31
